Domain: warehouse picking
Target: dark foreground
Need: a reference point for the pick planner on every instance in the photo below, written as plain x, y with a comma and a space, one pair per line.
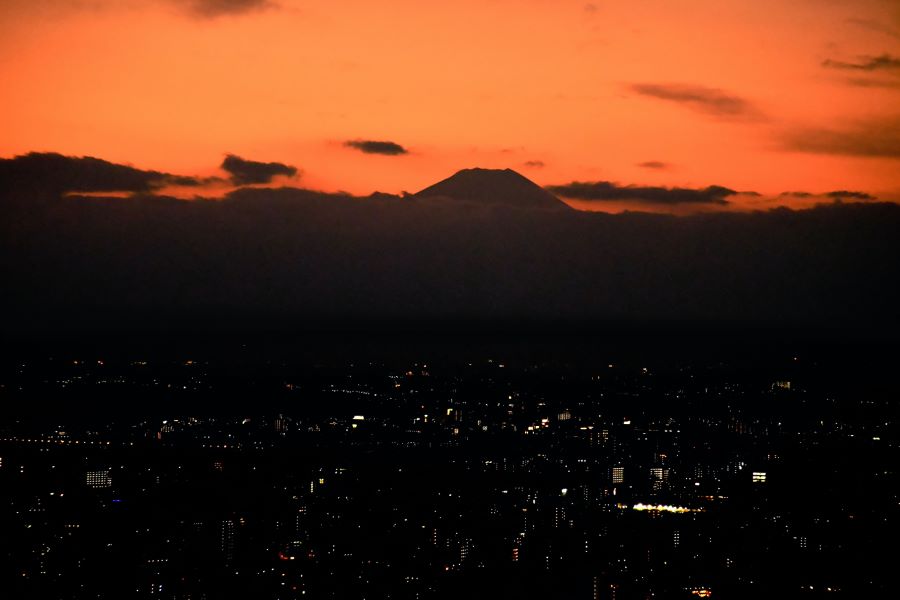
469, 469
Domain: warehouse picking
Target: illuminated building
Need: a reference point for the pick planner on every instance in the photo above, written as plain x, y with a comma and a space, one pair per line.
559, 516
98, 479
464, 549
301, 525
659, 476
618, 474
280, 424
759, 477
226, 540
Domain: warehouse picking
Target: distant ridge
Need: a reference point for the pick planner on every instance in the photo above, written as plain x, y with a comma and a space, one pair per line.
502, 187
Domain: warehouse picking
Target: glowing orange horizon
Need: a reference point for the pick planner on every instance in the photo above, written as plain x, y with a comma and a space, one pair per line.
761, 96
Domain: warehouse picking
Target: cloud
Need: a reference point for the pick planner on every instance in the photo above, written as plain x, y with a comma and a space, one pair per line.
837, 195
210, 9
200, 9
377, 147
845, 194
603, 191
876, 26
874, 83
245, 172
873, 138
534, 164
654, 164
59, 174
710, 101
884, 62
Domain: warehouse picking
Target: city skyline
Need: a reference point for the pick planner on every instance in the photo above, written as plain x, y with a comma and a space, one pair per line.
543, 470
423, 300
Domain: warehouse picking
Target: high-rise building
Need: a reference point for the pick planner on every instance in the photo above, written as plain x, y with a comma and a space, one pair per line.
281, 424
226, 539
98, 479
618, 474
659, 476
559, 516
465, 547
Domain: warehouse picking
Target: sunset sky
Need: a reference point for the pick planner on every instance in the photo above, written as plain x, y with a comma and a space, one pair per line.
767, 96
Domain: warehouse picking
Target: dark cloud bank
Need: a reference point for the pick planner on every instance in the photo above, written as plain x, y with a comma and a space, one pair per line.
293, 258
604, 191
245, 172
47, 172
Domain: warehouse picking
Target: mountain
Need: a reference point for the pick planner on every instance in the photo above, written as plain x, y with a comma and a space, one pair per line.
494, 187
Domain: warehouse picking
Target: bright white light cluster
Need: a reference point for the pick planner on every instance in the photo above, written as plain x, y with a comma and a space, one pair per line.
664, 508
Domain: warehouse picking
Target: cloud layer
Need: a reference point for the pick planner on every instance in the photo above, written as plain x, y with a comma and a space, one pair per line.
607, 191
846, 194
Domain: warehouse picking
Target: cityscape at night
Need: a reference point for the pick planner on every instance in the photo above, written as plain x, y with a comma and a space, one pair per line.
277, 475
433, 300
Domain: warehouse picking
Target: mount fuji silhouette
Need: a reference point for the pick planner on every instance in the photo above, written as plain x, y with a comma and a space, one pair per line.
497, 187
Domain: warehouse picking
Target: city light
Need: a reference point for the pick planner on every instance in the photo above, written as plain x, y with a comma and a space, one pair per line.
662, 508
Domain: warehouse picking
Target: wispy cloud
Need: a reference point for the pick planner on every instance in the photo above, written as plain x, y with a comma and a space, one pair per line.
211, 9
199, 9
654, 164
883, 62
876, 26
710, 101
377, 147
872, 138
846, 194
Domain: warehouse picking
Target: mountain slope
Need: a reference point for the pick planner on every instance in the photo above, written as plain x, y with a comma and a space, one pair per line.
494, 187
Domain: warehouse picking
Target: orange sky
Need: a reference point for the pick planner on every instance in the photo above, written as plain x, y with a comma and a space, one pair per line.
764, 95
